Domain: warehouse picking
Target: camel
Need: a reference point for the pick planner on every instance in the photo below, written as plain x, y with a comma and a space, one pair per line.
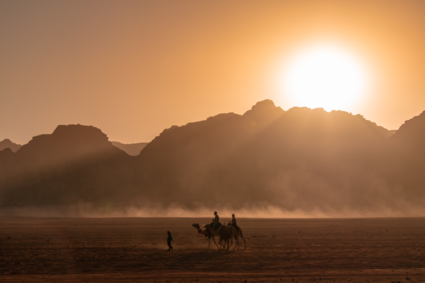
239, 235
224, 237
225, 232
207, 234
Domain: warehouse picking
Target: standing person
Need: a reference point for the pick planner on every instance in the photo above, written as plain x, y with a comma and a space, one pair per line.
169, 239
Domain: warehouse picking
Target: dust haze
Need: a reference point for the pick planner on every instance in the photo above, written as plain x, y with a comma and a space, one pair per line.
88, 210
266, 163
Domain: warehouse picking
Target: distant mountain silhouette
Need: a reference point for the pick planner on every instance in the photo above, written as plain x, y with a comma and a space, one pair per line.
71, 164
301, 159
132, 149
407, 150
298, 158
412, 132
6, 143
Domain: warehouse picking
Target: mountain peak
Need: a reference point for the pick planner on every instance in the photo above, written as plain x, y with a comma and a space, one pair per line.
265, 106
70, 142
7, 143
80, 130
263, 111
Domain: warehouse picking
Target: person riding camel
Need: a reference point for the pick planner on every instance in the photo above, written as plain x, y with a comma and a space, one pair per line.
234, 222
216, 221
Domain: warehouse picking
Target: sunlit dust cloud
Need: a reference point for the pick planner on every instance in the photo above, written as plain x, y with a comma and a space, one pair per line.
88, 210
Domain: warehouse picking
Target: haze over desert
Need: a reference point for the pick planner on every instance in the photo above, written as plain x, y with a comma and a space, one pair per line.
212, 141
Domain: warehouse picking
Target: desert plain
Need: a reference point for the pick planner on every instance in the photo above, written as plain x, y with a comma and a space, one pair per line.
278, 250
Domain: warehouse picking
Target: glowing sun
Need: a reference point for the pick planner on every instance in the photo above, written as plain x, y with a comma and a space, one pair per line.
325, 77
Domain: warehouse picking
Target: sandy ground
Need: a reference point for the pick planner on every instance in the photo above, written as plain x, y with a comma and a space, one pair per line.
284, 250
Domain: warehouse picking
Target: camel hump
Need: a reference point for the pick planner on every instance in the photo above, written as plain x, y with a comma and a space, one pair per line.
216, 225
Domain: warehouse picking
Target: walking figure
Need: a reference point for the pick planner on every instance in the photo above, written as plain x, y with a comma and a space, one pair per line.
169, 239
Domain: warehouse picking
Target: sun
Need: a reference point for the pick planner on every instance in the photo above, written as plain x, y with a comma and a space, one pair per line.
326, 77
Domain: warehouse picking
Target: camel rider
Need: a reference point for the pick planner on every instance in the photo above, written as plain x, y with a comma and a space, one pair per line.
216, 221
234, 222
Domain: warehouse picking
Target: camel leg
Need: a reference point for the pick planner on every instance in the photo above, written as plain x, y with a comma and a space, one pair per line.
209, 243
225, 243
236, 245
215, 242
244, 243
231, 243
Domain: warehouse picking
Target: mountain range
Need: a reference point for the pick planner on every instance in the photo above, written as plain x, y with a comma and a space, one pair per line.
301, 160
132, 149
6, 143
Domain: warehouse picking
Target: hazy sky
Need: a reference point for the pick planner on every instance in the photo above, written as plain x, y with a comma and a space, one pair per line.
133, 68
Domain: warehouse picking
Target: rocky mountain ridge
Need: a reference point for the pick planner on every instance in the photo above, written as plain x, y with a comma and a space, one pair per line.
297, 160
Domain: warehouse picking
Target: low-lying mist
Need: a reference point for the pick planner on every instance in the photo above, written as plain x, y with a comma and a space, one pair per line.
88, 210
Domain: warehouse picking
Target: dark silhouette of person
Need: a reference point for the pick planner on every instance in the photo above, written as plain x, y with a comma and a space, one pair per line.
234, 222
169, 239
216, 221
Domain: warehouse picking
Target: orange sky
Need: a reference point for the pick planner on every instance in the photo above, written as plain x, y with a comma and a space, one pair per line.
133, 68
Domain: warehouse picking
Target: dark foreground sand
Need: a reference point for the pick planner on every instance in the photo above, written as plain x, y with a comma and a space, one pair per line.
285, 250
